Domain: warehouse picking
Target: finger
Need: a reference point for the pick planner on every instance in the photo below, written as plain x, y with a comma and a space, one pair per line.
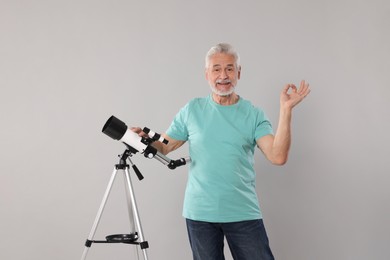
293, 88
304, 88
135, 129
303, 82
304, 93
138, 131
286, 88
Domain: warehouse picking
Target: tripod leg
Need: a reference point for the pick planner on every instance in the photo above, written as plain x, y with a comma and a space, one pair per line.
99, 214
133, 205
129, 205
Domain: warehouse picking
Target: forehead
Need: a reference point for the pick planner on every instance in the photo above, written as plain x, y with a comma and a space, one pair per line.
222, 59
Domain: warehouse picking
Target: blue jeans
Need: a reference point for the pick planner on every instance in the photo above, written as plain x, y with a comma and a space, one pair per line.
247, 240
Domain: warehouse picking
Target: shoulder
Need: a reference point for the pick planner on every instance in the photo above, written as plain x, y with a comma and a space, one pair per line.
246, 104
195, 103
253, 110
198, 101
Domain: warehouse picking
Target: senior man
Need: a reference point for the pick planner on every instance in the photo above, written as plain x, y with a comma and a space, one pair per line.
223, 130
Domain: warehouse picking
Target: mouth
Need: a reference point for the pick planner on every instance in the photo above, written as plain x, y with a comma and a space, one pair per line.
222, 88
223, 82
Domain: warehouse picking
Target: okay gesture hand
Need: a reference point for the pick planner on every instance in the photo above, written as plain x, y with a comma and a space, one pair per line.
289, 99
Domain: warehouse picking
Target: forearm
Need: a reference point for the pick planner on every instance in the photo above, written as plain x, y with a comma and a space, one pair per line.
282, 140
276, 147
167, 148
160, 147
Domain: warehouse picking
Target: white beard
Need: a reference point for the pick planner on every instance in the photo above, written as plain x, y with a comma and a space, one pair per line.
222, 93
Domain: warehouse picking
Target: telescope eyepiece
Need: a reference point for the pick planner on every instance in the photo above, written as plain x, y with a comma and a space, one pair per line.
155, 136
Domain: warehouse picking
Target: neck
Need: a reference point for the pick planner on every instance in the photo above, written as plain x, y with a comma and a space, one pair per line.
226, 100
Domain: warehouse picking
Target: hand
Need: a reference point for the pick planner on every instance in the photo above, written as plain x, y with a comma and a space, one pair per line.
138, 131
290, 100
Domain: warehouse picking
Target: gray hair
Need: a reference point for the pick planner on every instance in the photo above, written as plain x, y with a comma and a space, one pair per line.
222, 48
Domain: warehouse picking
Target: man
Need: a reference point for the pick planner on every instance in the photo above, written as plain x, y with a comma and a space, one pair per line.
222, 130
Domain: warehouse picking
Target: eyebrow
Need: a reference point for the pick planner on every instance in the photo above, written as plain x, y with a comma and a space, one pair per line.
219, 65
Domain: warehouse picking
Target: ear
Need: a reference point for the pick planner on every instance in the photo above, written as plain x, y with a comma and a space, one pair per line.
239, 72
206, 74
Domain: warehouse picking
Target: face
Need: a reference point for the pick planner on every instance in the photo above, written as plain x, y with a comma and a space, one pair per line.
222, 74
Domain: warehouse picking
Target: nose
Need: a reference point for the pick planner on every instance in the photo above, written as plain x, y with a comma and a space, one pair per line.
223, 74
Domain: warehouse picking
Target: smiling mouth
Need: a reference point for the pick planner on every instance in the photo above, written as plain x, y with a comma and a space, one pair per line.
222, 88
223, 82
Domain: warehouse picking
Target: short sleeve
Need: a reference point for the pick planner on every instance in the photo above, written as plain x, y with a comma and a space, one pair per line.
263, 125
178, 128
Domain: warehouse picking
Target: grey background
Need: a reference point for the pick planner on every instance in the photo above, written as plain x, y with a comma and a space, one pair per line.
66, 66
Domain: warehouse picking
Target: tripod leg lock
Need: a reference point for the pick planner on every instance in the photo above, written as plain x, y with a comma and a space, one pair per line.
144, 245
88, 243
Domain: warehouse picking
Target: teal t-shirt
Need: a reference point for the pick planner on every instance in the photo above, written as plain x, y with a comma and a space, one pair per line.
222, 140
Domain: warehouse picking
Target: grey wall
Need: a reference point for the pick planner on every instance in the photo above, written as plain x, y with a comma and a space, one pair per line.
66, 66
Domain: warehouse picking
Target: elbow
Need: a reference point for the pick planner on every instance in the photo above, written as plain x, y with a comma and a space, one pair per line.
279, 161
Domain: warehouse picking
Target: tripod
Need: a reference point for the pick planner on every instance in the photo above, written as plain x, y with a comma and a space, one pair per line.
135, 238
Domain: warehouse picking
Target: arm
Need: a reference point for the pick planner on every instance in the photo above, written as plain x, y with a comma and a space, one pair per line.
172, 145
276, 148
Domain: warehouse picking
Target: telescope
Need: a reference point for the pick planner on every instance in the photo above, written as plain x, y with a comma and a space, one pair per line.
118, 130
